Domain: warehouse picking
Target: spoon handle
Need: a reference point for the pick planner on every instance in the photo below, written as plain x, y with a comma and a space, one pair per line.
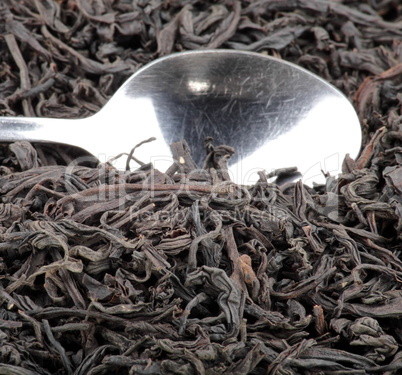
93, 134
38, 129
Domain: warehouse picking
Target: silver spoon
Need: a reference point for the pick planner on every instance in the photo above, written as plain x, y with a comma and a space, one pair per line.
274, 113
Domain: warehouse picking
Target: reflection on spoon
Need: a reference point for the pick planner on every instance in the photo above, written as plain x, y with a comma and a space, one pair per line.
319, 130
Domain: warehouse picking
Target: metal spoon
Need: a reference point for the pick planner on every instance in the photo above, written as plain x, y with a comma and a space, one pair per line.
274, 113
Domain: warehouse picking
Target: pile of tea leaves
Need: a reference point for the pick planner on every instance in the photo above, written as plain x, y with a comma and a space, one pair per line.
182, 271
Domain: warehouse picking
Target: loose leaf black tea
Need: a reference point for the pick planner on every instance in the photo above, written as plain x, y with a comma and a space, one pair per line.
182, 271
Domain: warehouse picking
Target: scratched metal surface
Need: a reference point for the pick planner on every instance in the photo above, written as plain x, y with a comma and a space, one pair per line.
273, 113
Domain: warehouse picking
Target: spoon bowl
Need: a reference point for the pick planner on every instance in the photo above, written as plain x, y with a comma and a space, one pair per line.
273, 113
